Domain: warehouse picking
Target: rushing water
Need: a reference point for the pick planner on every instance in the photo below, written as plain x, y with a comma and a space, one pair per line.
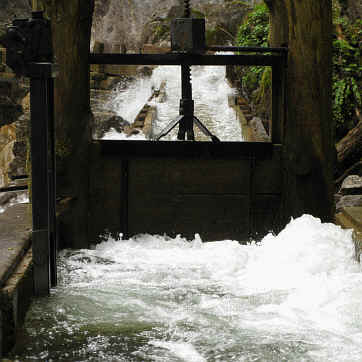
293, 297
210, 93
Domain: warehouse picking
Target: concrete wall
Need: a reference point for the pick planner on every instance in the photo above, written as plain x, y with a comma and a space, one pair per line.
16, 274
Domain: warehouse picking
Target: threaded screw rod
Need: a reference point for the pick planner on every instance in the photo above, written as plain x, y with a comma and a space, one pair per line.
187, 9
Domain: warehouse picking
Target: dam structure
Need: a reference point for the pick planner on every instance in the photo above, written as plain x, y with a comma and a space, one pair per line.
191, 254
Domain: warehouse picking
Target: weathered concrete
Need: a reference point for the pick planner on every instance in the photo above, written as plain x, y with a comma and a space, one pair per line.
15, 230
16, 281
15, 299
351, 218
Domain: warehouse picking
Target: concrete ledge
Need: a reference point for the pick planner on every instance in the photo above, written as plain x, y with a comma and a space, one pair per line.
351, 218
15, 298
16, 278
15, 229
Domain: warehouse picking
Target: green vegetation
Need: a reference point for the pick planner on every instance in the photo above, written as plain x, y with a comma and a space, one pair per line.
347, 67
254, 33
255, 30
160, 31
347, 70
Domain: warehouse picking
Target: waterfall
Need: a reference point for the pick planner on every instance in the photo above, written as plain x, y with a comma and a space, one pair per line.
210, 93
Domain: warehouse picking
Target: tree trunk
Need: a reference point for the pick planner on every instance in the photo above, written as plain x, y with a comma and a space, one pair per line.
349, 149
278, 34
308, 129
71, 27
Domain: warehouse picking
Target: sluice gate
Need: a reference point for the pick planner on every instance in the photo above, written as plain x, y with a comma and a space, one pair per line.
222, 190
227, 190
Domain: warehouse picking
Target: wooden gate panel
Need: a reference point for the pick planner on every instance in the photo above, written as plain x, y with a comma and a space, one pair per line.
209, 197
222, 191
173, 176
214, 217
105, 206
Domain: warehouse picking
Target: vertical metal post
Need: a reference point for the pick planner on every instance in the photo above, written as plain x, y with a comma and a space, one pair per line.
52, 184
39, 93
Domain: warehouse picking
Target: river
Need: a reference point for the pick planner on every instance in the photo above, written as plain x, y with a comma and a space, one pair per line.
210, 93
295, 296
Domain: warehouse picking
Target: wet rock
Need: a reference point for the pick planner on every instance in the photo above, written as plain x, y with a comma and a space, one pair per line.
259, 131
130, 131
9, 110
6, 197
102, 126
349, 201
352, 185
18, 164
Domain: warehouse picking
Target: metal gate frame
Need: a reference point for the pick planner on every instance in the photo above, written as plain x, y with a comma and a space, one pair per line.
130, 150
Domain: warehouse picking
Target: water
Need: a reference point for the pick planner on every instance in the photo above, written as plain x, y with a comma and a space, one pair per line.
17, 198
210, 93
293, 297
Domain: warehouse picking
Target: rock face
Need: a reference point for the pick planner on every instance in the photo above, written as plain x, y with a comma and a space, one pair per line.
134, 23
352, 185
350, 193
10, 9
7, 140
13, 129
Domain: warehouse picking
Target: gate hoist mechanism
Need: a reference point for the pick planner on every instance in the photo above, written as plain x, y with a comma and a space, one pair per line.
187, 36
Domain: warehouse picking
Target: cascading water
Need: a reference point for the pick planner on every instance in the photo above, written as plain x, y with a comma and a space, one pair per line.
210, 93
293, 297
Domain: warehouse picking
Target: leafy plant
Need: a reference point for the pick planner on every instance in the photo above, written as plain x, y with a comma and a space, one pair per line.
347, 71
254, 33
347, 66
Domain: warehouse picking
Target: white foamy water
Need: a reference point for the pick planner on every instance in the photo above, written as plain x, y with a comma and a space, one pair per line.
210, 93
19, 198
293, 297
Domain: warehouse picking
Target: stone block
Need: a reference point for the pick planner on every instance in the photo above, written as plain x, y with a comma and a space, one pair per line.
352, 185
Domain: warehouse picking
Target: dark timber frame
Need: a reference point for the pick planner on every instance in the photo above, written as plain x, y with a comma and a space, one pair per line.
125, 160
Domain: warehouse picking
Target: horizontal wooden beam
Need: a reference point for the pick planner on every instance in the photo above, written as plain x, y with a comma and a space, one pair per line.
185, 59
184, 150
